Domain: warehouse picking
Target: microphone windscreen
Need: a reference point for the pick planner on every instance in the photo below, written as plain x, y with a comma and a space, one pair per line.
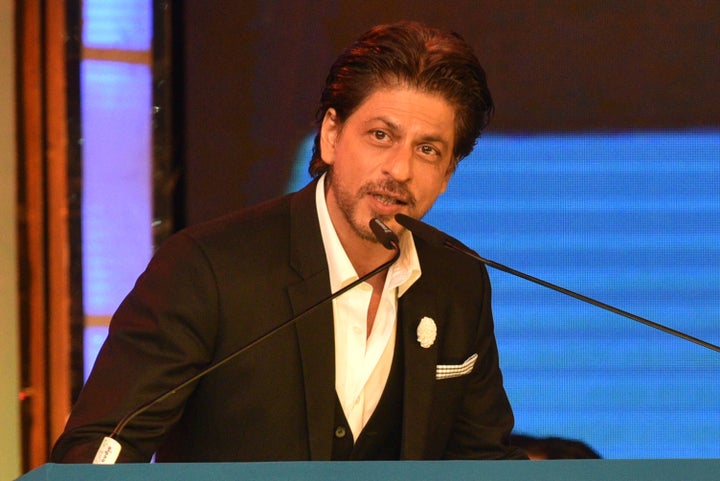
384, 234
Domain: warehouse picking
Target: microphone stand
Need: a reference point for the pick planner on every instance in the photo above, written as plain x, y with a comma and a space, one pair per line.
439, 238
110, 448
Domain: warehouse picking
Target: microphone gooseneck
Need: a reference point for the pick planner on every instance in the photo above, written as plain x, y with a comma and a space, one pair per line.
440, 239
110, 448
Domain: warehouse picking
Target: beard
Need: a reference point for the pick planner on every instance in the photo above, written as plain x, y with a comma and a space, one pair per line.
348, 201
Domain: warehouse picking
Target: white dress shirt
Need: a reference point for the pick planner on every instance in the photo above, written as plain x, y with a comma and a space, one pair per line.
362, 359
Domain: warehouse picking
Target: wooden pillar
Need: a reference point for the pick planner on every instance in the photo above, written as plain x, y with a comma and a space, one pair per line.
45, 207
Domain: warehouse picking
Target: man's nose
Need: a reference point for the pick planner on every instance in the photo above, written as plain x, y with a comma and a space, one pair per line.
399, 164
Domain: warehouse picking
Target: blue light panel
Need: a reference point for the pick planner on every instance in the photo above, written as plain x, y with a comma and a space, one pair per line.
117, 24
631, 219
116, 100
117, 197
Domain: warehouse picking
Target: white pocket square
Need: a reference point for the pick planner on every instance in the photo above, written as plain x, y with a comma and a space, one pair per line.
447, 371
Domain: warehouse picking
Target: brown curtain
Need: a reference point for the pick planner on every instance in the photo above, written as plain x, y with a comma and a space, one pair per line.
48, 224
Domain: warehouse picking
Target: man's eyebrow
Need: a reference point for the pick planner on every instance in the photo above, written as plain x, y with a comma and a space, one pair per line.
389, 123
394, 126
435, 138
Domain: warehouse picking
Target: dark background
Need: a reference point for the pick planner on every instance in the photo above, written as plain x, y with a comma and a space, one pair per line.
252, 72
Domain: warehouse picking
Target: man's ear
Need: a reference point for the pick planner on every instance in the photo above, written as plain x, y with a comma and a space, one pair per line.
329, 132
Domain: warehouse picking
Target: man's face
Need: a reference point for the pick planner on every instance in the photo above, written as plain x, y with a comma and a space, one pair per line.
393, 154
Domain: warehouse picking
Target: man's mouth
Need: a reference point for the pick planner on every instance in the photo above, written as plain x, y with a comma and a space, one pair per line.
388, 199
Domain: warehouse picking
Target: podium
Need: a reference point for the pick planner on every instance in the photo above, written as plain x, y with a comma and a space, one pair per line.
578, 470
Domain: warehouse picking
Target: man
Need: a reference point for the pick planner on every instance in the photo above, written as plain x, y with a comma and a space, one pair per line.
404, 366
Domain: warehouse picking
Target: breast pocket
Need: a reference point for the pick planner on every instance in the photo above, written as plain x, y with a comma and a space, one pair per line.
449, 371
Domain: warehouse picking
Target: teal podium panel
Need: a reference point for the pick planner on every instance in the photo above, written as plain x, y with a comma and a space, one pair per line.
577, 470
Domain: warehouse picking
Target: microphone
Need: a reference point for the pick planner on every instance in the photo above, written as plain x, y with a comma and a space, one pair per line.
384, 234
110, 448
438, 238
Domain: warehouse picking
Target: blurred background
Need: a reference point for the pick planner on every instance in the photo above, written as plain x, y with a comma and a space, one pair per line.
126, 120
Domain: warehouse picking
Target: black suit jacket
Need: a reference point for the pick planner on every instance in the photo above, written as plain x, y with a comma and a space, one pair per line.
214, 288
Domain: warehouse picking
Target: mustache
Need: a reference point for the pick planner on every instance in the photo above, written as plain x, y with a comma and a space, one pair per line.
391, 187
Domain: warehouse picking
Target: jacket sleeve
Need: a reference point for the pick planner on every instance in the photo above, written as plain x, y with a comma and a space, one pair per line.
481, 429
162, 334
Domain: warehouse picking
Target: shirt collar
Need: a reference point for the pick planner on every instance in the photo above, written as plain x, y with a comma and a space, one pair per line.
402, 274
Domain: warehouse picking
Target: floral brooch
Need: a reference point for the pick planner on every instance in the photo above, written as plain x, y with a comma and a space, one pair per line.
426, 332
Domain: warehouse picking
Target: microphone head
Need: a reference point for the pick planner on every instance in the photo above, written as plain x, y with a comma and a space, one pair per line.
426, 232
384, 234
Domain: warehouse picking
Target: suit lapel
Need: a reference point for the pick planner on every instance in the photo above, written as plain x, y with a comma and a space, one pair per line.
418, 302
315, 329
317, 354
317, 344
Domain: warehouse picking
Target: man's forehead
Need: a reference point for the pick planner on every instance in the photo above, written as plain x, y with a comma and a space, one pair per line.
390, 106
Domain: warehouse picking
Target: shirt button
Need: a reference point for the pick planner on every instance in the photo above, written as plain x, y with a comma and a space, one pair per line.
340, 432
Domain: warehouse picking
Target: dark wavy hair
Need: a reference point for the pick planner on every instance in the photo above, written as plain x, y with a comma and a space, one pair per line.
416, 56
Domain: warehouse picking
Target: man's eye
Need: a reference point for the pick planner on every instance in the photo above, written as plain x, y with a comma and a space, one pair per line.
429, 150
380, 135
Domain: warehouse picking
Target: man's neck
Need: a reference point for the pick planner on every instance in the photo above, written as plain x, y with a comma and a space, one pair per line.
365, 255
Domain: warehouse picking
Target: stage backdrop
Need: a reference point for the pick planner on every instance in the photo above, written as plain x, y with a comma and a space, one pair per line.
600, 173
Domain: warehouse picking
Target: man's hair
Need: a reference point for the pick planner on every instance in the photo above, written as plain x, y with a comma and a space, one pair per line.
409, 54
